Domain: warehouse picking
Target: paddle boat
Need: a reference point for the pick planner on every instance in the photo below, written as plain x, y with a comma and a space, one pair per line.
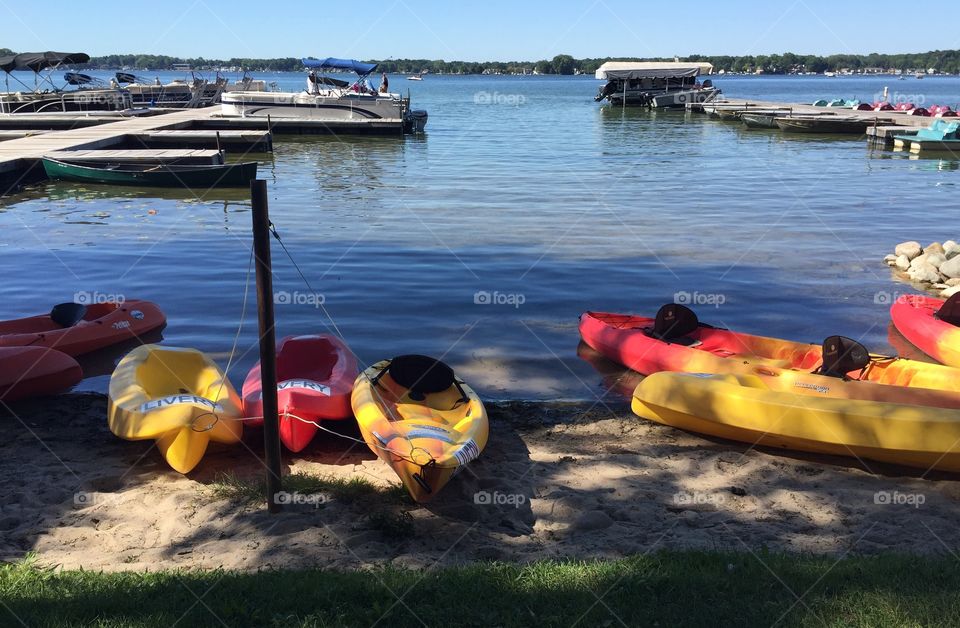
939, 136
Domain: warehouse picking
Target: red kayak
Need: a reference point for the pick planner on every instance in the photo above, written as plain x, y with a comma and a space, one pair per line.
676, 341
33, 371
315, 376
75, 329
933, 325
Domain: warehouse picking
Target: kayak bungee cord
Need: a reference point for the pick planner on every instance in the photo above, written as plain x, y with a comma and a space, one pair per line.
408, 457
374, 387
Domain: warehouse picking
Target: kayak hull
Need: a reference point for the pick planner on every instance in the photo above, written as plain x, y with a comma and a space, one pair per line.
913, 316
315, 376
178, 397
35, 371
622, 338
425, 441
104, 324
824, 417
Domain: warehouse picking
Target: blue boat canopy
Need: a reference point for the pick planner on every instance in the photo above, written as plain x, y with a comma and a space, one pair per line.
340, 64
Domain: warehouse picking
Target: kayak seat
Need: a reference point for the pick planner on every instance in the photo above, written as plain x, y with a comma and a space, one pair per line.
420, 375
68, 314
949, 312
674, 323
841, 355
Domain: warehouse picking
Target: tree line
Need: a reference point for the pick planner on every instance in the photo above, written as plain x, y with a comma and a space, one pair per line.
940, 60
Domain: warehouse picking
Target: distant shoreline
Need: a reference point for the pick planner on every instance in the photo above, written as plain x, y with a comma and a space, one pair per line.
932, 62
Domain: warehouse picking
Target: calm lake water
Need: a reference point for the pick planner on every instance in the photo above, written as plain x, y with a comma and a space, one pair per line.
523, 205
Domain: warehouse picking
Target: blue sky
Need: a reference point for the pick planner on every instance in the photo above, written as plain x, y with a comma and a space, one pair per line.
476, 31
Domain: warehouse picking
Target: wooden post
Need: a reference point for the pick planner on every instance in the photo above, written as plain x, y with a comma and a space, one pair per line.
219, 150
268, 342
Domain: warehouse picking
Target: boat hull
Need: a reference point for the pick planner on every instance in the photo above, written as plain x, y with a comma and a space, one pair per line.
225, 175
427, 439
914, 317
103, 324
178, 397
34, 371
315, 376
759, 410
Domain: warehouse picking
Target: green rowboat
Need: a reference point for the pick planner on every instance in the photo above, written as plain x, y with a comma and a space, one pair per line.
153, 175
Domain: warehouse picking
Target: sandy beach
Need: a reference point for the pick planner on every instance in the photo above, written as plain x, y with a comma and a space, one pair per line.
556, 480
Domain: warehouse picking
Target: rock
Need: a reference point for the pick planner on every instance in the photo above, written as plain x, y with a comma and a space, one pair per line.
593, 520
934, 247
951, 268
918, 261
911, 249
739, 491
935, 259
889, 259
949, 292
925, 273
953, 282
951, 249
902, 263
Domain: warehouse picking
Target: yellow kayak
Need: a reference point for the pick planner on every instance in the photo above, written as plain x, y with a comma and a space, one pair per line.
178, 397
914, 427
421, 420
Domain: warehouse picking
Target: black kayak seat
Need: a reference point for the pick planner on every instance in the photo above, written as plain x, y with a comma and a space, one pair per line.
674, 323
68, 314
949, 312
842, 355
421, 375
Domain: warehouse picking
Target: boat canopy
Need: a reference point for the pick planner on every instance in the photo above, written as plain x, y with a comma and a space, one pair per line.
652, 69
340, 64
39, 61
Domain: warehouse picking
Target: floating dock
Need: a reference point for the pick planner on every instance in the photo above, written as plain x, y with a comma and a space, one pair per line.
26, 138
881, 133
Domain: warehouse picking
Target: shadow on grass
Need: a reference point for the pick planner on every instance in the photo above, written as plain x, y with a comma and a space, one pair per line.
667, 589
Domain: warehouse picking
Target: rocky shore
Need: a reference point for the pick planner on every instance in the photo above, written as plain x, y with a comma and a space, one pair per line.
936, 267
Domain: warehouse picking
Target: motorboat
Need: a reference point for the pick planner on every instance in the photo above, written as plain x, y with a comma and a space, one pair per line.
196, 91
328, 99
655, 83
46, 96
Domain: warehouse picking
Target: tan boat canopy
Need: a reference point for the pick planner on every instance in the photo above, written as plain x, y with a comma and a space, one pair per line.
652, 69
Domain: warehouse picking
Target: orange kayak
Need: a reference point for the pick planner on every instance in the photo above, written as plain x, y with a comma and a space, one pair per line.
675, 340
75, 329
34, 371
933, 325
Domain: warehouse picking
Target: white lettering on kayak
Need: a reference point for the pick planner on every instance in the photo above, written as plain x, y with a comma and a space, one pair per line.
304, 384
121, 325
177, 400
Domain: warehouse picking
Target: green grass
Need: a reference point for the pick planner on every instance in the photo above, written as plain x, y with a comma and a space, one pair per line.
348, 490
665, 589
